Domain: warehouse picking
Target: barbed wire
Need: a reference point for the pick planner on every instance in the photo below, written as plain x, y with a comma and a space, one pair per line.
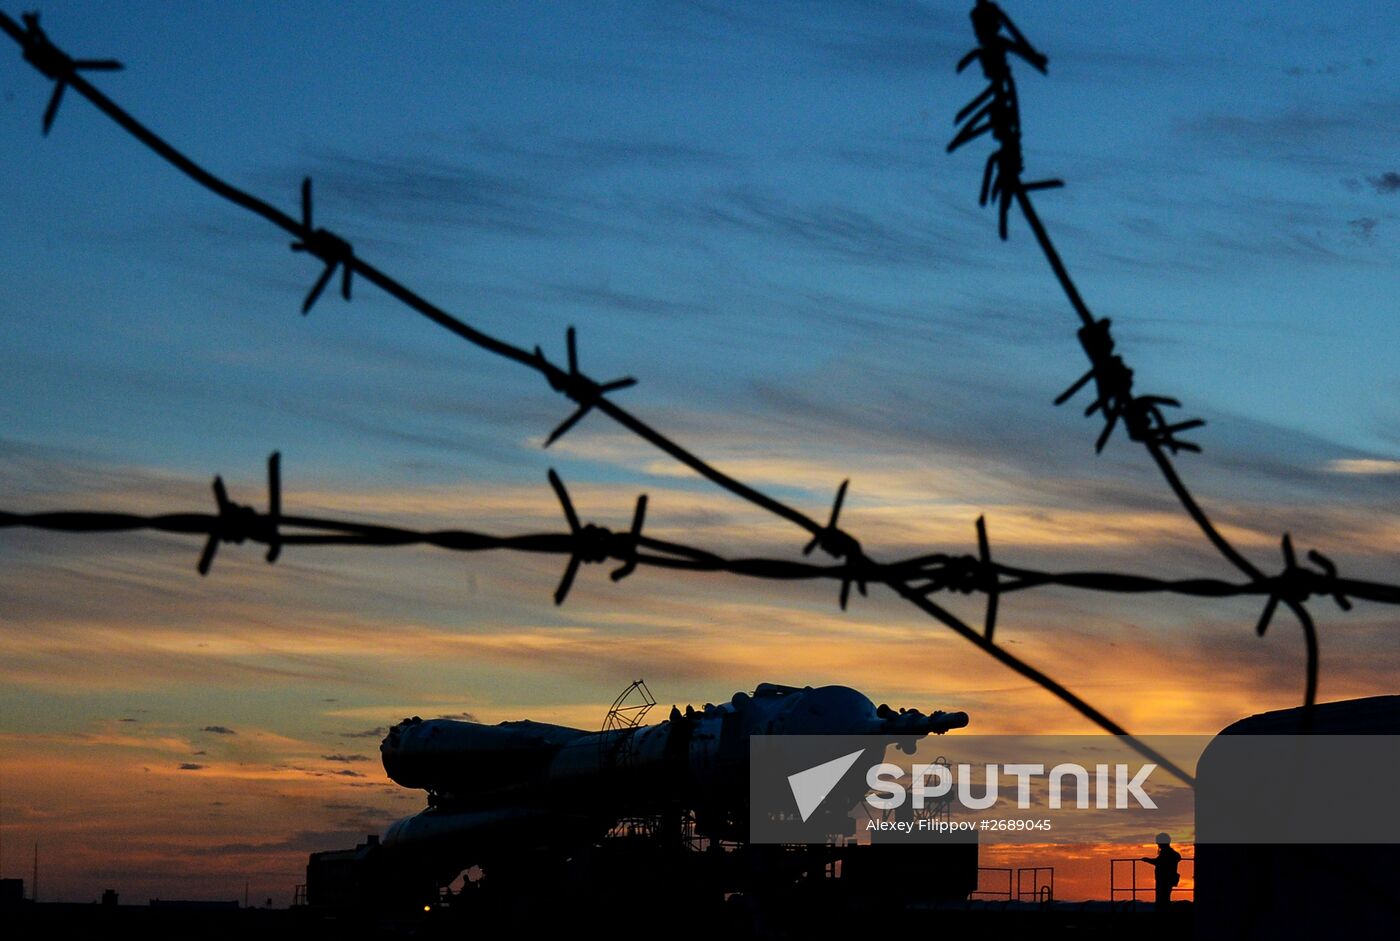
915, 579
236, 523
1141, 415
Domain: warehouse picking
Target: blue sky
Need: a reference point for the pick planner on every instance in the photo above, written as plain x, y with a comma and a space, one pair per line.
736, 195
748, 207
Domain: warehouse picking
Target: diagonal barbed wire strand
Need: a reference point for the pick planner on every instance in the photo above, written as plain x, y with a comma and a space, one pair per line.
998, 39
336, 251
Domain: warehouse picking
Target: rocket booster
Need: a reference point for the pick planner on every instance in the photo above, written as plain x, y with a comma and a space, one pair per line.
489, 783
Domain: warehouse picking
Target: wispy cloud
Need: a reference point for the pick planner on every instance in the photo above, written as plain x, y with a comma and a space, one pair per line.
843, 231
1300, 135
599, 296
423, 189
1364, 226
1366, 466
1328, 69
1385, 184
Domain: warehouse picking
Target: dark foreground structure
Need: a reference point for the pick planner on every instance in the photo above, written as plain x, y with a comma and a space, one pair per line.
647, 825
640, 828
1284, 890
535, 810
810, 915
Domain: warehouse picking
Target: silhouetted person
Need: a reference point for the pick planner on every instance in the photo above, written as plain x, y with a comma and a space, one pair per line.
1165, 862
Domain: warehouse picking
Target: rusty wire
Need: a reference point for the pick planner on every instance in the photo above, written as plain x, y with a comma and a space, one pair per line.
915, 579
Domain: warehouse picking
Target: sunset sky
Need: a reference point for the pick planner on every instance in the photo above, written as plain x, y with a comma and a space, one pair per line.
749, 208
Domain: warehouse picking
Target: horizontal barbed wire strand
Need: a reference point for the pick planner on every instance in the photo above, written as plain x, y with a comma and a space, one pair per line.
966, 574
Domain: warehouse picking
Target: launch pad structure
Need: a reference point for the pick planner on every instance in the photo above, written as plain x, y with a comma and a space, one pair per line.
530, 821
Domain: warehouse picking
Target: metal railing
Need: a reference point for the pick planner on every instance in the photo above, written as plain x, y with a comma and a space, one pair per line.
1132, 888
1006, 893
1041, 889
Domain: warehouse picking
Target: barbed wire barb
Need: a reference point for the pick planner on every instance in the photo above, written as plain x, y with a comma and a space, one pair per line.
592, 543
1115, 400
55, 64
237, 523
1297, 584
629, 544
990, 581
574, 384
840, 544
996, 110
328, 247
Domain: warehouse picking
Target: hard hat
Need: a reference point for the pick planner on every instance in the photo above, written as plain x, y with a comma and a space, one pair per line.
1164, 838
